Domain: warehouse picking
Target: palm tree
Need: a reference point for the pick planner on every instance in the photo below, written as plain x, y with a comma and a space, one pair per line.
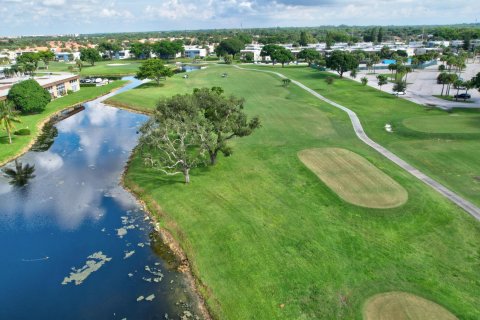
375, 60
21, 174
407, 71
7, 118
457, 84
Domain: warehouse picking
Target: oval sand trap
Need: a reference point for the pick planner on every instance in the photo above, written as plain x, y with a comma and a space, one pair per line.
403, 306
353, 178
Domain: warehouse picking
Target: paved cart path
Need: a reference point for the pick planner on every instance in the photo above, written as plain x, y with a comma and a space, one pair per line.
357, 126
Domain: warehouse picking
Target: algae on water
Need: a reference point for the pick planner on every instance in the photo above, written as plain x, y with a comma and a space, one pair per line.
97, 260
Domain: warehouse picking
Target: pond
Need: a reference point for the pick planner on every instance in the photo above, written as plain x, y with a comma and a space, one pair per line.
76, 245
190, 68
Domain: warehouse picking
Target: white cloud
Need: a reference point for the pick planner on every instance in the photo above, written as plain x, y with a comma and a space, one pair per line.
86, 16
53, 3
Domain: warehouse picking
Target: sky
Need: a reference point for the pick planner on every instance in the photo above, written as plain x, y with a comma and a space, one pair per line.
48, 17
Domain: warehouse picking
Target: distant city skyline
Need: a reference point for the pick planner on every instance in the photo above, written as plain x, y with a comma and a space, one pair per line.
50, 17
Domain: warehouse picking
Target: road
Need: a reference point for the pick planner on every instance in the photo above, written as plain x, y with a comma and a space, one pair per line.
358, 128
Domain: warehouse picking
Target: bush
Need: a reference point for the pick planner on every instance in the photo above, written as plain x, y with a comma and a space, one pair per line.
85, 85
29, 97
22, 132
69, 91
330, 80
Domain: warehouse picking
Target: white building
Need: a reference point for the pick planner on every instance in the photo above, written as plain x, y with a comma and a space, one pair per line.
255, 49
194, 51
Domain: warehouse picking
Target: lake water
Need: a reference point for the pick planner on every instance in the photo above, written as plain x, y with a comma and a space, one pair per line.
75, 245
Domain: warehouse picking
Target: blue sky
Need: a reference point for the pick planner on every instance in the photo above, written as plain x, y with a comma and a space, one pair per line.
28, 17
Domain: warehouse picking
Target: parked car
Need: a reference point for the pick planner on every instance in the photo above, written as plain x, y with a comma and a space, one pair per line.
463, 96
401, 93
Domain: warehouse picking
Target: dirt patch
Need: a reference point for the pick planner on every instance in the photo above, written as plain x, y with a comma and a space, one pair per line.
403, 306
353, 178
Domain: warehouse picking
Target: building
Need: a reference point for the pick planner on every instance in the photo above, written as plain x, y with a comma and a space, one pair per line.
56, 85
122, 54
67, 56
194, 52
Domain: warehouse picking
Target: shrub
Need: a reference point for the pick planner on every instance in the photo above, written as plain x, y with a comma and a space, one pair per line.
364, 81
22, 132
69, 91
330, 80
29, 97
85, 85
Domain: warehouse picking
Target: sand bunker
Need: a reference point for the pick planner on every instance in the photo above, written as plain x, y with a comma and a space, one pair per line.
403, 306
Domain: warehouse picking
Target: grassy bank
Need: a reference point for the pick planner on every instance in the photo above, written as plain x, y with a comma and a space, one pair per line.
269, 240
450, 158
21, 143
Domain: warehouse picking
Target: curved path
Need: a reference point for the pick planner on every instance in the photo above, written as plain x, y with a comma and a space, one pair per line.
357, 126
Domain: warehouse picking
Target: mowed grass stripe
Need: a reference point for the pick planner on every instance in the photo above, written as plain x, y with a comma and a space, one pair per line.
401, 306
444, 124
353, 178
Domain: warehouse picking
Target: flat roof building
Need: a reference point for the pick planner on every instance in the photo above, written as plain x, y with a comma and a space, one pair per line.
57, 85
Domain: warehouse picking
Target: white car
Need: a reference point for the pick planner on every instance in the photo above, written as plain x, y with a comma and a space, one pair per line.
401, 93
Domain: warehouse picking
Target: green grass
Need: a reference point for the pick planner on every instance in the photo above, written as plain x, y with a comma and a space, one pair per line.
450, 98
8, 151
101, 68
447, 123
262, 231
452, 158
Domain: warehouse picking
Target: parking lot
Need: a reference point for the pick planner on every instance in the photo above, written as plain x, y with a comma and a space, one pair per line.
422, 86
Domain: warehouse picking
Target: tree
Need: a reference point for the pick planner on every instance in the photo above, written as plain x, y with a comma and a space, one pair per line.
458, 84
228, 59
141, 50
79, 64
399, 86
29, 60
229, 46
305, 38
46, 56
364, 81
269, 51
342, 61
90, 55
380, 35
167, 49
29, 97
282, 56
109, 47
382, 80
375, 59
153, 69
7, 118
476, 81
249, 57
309, 55
170, 140
442, 79
353, 73
225, 120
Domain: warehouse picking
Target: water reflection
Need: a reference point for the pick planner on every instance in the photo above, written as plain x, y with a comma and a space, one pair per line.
75, 209
20, 175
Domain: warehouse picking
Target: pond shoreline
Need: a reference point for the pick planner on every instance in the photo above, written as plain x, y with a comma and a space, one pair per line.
153, 209
40, 125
